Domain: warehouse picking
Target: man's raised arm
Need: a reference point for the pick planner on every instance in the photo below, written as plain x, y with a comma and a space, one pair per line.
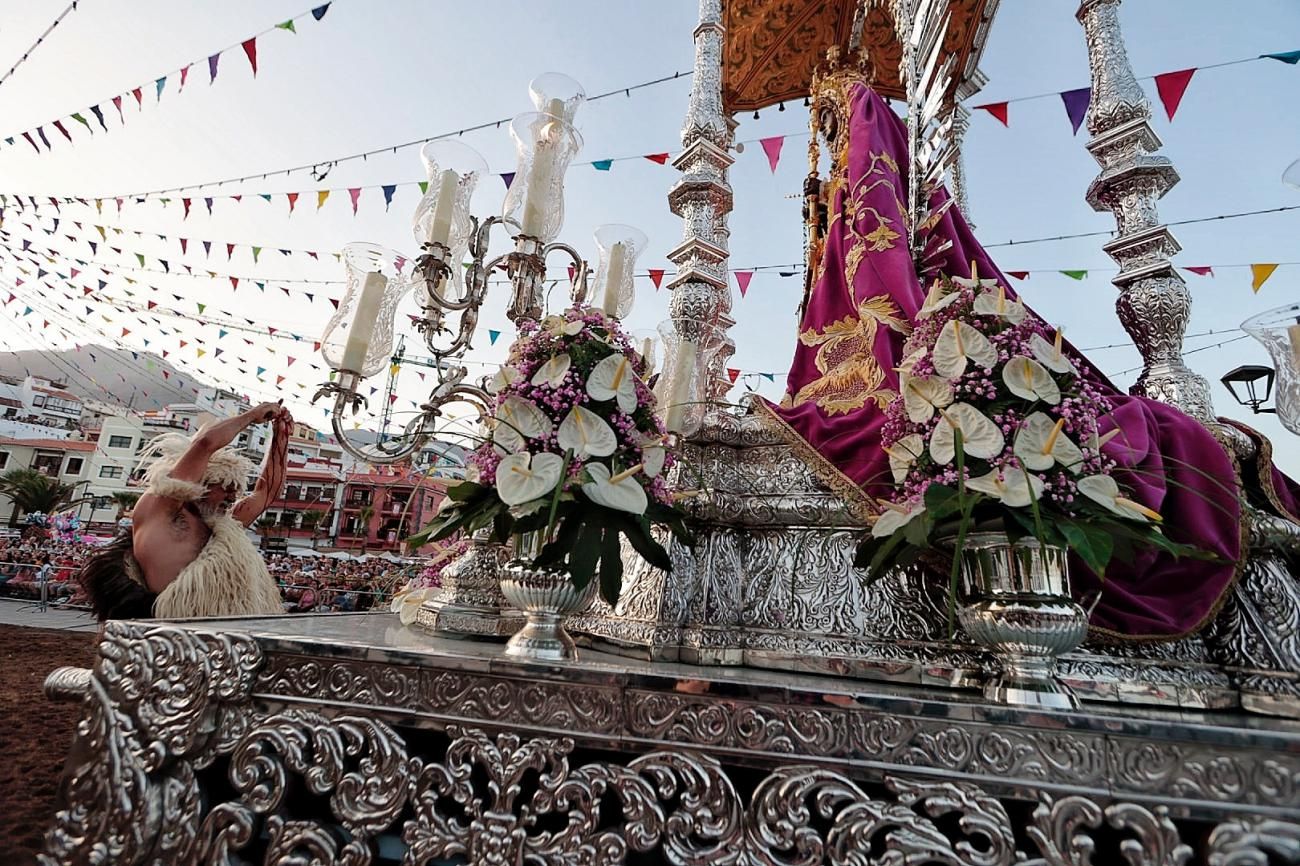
271, 480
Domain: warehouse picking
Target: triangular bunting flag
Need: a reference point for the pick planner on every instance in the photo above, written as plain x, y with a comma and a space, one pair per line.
159, 85
507, 177
388, 190
354, 193
733, 374
997, 109
319, 12
287, 25
772, 147
185, 75
1201, 270
657, 277
1076, 106
742, 280
1075, 275
1259, 275
660, 158
212, 67
250, 51
293, 200
321, 195
602, 164
1019, 275
1292, 57
493, 336
1171, 86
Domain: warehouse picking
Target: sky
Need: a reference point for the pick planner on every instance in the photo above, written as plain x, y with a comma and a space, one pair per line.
369, 76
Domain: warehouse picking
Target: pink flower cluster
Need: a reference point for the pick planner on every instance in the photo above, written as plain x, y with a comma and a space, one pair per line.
600, 336
1083, 404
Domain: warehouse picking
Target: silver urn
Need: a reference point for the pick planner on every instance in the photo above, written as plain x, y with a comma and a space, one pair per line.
1019, 609
547, 598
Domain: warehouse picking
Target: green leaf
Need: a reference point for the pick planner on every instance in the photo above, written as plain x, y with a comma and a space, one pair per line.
1093, 545
942, 500
611, 567
464, 491
638, 533
586, 551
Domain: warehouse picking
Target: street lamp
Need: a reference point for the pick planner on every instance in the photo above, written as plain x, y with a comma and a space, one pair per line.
1250, 377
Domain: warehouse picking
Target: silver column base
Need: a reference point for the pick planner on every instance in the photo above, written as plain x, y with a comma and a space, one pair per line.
469, 602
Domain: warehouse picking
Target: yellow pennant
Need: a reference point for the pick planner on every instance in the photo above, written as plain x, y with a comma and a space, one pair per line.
1259, 274
320, 198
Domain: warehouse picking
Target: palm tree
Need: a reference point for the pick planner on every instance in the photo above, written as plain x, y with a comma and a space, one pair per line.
265, 523
311, 520
364, 514
124, 499
32, 491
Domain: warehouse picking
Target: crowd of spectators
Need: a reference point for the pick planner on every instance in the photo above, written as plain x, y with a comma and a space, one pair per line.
45, 421
308, 583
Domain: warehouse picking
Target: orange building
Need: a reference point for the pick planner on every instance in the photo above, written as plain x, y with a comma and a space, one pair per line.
382, 507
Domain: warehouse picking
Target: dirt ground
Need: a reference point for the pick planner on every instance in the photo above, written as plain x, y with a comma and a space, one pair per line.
35, 733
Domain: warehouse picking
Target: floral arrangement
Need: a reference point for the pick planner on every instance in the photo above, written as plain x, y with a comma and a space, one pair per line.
406, 602
576, 453
995, 427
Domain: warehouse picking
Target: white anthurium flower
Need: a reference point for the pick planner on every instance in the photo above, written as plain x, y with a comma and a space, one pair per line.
974, 281
1096, 443
406, 604
1040, 444
1030, 380
653, 457
995, 303
553, 371
1103, 490
587, 434
980, 437
903, 453
613, 379
1015, 490
504, 378
622, 492
957, 342
922, 395
557, 325
1050, 354
936, 299
910, 361
894, 519
518, 419
524, 477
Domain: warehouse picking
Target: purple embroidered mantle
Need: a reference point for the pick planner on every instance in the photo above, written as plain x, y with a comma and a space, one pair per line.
850, 341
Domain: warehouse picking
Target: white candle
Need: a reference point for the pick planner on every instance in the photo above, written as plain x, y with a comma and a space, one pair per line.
647, 346
440, 225
363, 323
1293, 333
613, 279
539, 175
680, 394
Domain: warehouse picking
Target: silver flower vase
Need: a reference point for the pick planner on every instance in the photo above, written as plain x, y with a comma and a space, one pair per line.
547, 598
1020, 610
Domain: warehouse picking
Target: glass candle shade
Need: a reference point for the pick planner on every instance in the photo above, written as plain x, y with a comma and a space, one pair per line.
1279, 331
619, 246
535, 201
359, 336
682, 390
646, 343
558, 94
443, 214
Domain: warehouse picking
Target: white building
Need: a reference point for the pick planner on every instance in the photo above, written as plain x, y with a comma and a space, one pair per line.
65, 460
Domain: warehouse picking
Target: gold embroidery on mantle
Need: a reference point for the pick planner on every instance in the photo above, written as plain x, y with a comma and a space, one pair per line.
850, 373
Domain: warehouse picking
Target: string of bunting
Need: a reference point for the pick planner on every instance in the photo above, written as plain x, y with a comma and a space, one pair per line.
40, 40
1170, 87
98, 111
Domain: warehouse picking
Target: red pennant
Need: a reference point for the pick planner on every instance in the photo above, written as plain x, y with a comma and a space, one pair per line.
139, 98
315, 347
230, 250
185, 245
185, 73
1171, 86
184, 344
1019, 275
270, 330
657, 276
250, 49
151, 305
572, 273
335, 302
354, 193
125, 331
185, 203
997, 109
58, 124
392, 398
166, 375
733, 374
279, 379
291, 360
772, 147
660, 158
117, 103
234, 283
86, 291
1201, 270
293, 200
742, 280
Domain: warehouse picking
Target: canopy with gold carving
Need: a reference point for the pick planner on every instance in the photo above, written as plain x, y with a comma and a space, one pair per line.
772, 46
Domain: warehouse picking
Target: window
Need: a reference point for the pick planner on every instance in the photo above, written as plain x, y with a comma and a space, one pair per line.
4, 459
119, 442
39, 401
47, 464
110, 472
291, 492
74, 466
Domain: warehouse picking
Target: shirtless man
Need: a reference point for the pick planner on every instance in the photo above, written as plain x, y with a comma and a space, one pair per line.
187, 553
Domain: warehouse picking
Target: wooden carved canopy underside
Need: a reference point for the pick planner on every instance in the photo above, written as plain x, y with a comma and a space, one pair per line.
772, 45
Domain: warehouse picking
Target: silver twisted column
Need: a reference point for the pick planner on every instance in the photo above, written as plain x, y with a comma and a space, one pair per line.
702, 197
1154, 303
